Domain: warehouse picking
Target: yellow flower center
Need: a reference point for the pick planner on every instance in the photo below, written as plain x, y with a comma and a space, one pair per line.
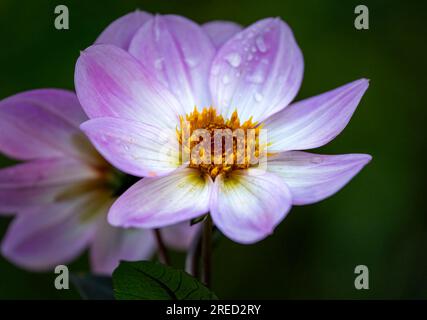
215, 145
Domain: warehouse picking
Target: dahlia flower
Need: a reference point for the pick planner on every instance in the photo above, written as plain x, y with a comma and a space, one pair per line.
175, 76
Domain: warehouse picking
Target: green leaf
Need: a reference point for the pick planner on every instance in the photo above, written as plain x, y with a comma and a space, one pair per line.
146, 280
91, 287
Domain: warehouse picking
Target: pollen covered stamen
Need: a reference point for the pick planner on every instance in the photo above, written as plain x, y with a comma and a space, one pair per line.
216, 145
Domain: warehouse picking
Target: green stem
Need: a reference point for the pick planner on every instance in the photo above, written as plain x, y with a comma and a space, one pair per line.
192, 265
162, 251
207, 251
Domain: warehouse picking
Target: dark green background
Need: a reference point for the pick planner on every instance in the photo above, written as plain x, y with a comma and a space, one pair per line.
377, 220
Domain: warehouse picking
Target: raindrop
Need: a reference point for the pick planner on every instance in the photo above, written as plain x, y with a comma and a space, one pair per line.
260, 43
258, 97
250, 57
225, 79
191, 62
316, 160
234, 59
158, 64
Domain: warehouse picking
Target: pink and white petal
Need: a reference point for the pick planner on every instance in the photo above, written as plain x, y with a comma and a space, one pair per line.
62, 103
179, 53
121, 31
314, 122
42, 172
40, 124
16, 200
258, 71
180, 236
112, 83
134, 147
163, 201
111, 245
221, 31
45, 236
313, 177
246, 207
40, 181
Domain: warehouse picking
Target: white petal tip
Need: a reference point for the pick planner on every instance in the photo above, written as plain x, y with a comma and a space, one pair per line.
364, 83
114, 219
363, 158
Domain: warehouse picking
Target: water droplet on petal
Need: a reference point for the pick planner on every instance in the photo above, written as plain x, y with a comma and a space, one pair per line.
260, 43
225, 79
191, 62
250, 57
258, 97
234, 59
158, 64
316, 160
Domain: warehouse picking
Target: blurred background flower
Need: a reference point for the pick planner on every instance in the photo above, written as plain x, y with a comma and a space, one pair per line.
62, 190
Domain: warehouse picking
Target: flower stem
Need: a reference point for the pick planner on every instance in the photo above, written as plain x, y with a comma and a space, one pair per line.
207, 251
162, 251
192, 265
